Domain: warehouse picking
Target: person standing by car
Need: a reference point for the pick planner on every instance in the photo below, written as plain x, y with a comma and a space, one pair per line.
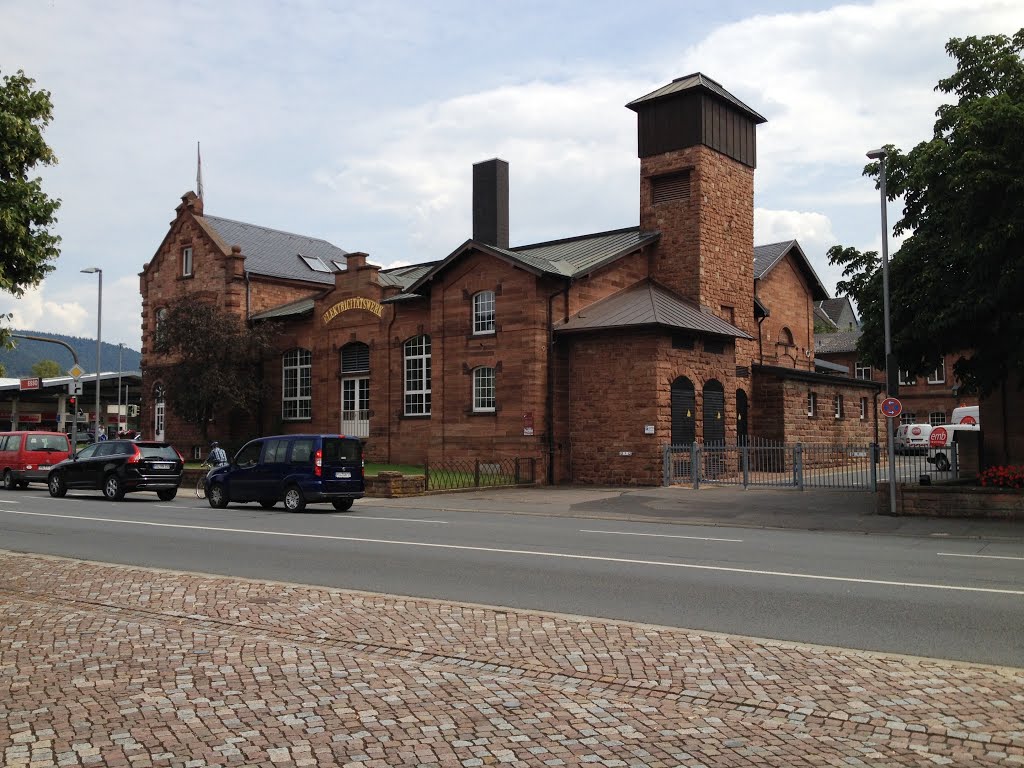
218, 456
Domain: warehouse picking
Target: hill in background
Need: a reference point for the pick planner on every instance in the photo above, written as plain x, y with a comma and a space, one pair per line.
18, 362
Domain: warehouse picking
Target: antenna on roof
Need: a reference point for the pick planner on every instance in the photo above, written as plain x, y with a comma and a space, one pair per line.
199, 172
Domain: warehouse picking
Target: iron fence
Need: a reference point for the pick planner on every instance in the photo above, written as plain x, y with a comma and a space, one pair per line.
769, 464
455, 474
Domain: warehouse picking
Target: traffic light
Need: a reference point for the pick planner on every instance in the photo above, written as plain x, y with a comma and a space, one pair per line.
71, 401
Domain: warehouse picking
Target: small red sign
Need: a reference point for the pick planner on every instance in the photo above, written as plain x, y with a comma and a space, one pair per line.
938, 437
892, 407
29, 384
968, 420
915, 431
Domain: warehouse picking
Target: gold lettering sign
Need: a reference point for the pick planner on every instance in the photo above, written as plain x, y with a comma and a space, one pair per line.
358, 303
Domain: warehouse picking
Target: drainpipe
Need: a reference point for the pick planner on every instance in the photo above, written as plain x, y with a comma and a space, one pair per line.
388, 344
760, 340
549, 416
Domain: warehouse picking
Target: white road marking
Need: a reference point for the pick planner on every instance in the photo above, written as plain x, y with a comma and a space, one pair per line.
535, 553
985, 557
340, 516
660, 535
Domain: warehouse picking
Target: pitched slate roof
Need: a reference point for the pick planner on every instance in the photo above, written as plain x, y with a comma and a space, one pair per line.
767, 256
291, 309
831, 343
696, 81
571, 257
648, 304
275, 253
822, 316
835, 308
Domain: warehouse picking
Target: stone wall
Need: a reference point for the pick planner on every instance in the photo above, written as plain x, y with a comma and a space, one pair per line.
953, 501
785, 292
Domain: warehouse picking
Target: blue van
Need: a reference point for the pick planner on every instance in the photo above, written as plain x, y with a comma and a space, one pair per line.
295, 469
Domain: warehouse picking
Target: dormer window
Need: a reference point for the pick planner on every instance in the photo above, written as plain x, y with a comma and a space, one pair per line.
315, 263
339, 265
186, 262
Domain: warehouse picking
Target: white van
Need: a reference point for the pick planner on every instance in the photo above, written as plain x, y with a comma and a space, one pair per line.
912, 438
966, 414
940, 442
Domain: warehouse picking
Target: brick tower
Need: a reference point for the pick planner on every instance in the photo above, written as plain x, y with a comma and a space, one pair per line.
697, 148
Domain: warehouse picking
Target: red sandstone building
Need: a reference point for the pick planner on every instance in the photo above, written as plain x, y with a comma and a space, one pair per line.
589, 353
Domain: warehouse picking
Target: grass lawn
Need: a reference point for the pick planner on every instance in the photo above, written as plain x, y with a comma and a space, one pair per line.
371, 469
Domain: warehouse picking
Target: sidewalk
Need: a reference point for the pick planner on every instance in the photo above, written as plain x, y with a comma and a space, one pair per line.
122, 666
815, 510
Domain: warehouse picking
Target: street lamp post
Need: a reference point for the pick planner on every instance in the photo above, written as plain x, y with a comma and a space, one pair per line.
120, 365
99, 327
880, 155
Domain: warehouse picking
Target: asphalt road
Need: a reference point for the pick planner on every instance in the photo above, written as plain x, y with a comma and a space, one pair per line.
956, 598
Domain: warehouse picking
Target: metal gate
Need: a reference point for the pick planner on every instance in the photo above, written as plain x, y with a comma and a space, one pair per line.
766, 464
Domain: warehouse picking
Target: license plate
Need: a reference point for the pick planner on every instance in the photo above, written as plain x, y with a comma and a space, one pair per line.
44, 466
162, 466
343, 474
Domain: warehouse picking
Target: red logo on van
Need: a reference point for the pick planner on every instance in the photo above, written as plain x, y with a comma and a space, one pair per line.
968, 420
915, 431
938, 437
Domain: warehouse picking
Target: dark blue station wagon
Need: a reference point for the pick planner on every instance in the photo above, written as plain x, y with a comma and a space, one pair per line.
295, 469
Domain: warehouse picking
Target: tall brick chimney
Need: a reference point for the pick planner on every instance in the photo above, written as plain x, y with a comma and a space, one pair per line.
697, 149
490, 202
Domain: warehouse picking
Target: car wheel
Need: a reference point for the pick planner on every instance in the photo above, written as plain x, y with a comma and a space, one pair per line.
294, 501
268, 503
342, 505
112, 488
56, 485
941, 462
217, 496
167, 495
9, 484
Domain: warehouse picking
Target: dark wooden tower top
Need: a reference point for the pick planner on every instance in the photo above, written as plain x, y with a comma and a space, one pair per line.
695, 110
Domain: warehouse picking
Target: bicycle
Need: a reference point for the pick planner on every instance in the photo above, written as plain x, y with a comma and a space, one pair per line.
201, 481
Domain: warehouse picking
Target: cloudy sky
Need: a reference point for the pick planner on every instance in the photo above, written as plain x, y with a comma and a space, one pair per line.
359, 122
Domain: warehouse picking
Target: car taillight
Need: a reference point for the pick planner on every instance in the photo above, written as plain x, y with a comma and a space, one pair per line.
318, 462
135, 457
180, 457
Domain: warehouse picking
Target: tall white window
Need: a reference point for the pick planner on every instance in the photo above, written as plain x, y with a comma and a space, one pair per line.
862, 370
483, 312
812, 404
297, 384
186, 262
483, 390
838, 403
417, 376
907, 379
938, 376
863, 407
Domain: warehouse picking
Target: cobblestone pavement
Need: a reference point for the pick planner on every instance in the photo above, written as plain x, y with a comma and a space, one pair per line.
123, 666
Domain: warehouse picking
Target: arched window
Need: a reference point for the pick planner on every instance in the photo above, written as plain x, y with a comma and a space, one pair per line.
683, 406
417, 376
742, 414
483, 390
483, 312
786, 337
714, 413
297, 384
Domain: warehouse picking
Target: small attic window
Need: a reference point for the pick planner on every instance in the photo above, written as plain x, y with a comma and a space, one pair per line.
670, 187
314, 263
339, 266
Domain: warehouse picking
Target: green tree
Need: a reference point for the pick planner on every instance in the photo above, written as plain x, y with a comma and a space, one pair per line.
46, 369
26, 213
214, 360
956, 283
